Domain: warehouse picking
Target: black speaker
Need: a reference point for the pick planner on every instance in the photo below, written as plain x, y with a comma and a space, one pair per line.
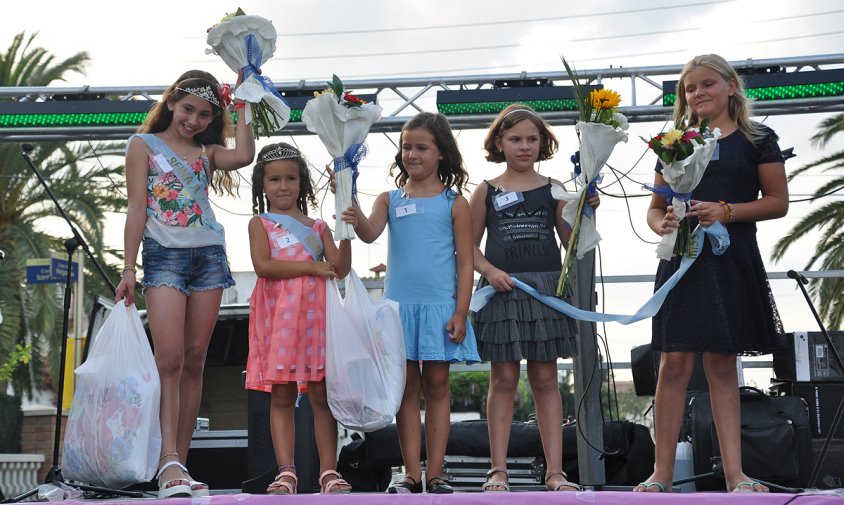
644, 364
806, 357
261, 464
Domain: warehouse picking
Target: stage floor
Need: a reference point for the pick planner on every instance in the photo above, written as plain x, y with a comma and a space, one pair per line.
526, 497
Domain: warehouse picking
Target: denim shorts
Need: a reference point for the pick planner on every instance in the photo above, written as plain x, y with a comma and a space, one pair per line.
187, 269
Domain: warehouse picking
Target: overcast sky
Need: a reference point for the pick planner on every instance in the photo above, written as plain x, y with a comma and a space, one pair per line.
152, 42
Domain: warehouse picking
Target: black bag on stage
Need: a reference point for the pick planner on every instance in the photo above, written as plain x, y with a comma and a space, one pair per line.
776, 444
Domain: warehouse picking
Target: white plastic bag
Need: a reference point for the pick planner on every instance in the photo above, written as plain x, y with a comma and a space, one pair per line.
365, 357
113, 435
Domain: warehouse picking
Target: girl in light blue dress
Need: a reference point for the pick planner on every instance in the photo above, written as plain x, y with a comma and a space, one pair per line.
430, 274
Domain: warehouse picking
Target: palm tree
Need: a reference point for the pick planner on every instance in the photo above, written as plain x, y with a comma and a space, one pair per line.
829, 220
85, 188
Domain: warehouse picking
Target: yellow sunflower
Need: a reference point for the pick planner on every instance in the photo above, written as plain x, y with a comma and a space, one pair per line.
672, 137
603, 99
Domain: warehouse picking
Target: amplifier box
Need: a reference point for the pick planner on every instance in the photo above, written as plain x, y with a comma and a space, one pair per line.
807, 357
822, 398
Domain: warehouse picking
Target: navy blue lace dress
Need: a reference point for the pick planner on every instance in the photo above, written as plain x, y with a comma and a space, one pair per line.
724, 303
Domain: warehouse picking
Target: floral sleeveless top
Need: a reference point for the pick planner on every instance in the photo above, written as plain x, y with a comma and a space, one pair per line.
169, 202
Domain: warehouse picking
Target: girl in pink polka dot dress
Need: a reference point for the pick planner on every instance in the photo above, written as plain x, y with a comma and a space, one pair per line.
293, 256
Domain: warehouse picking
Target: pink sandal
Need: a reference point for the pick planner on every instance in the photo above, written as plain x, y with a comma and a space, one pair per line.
279, 486
329, 487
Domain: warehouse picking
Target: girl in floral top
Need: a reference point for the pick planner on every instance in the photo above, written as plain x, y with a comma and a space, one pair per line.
170, 165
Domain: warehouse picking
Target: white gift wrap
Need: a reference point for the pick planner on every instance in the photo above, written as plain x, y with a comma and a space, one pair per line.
683, 177
227, 40
339, 127
597, 142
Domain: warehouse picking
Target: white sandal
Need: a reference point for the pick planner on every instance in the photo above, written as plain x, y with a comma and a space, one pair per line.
179, 487
197, 489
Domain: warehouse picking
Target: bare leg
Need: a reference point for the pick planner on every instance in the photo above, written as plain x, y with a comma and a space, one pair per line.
726, 413
437, 394
325, 430
282, 426
675, 370
167, 307
542, 376
409, 423
503, 381
200, 319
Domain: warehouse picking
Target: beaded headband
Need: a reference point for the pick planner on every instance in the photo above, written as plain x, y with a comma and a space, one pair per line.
204, 92
281, 153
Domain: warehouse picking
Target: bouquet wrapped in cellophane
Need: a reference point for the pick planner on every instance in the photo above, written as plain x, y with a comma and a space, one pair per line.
599, 128
244, 43
684, 154
342, 122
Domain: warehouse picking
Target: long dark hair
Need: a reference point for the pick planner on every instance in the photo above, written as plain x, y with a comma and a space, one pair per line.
160, 117
260, 202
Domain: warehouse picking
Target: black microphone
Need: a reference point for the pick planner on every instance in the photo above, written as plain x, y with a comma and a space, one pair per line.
27, 148
797, 276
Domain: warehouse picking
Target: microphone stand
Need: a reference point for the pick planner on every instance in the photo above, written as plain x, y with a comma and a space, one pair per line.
839, 413
55, 474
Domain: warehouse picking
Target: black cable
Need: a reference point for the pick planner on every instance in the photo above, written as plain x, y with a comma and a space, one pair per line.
630, 215
105, 171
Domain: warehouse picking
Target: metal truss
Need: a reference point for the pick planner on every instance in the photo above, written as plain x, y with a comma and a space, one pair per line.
404, 97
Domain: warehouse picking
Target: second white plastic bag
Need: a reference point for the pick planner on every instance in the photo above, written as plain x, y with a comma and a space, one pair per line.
365, 357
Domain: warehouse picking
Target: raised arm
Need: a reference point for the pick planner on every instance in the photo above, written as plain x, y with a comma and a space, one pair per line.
223, 158
339, 257
370, 228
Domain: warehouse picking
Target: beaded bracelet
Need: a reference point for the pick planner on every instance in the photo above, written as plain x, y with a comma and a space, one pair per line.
127, 268
729, 212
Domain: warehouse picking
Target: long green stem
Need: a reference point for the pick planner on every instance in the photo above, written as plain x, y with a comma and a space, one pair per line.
571, 249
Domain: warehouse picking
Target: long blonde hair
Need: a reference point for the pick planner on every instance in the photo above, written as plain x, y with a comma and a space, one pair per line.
739, 106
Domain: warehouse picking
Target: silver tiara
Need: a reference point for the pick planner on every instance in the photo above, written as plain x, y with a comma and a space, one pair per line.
204, 92
281, 153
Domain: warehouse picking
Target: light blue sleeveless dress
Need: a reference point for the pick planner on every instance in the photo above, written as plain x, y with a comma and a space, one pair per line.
422, 276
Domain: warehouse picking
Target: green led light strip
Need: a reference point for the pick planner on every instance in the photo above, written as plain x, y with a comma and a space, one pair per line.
81, 119
459, 109
90, 119
781, 92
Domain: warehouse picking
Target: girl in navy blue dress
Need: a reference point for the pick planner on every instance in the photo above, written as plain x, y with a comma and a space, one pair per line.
723, 306
429, 272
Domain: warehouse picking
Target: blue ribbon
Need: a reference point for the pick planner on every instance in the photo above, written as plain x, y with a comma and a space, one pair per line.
350, 159
591, 190
718, 238
668, 192
254, 55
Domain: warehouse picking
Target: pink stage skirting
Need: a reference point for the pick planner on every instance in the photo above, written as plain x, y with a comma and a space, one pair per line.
526, 498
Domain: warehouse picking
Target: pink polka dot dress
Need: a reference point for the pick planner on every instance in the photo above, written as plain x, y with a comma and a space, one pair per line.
286, 321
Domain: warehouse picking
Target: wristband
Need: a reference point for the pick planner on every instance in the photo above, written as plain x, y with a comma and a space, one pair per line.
239, 105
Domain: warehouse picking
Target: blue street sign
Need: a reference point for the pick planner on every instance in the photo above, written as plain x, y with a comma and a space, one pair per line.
49, 271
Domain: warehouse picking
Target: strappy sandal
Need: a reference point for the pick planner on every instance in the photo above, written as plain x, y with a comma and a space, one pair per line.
564, 483
438, 485
178, 487
749, 486
280, 486
329, 487
646, 487
197, 489
408, 485
490, 485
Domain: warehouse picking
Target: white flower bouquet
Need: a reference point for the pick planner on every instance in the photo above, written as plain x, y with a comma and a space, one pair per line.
599, 129
245, 43
342, 122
